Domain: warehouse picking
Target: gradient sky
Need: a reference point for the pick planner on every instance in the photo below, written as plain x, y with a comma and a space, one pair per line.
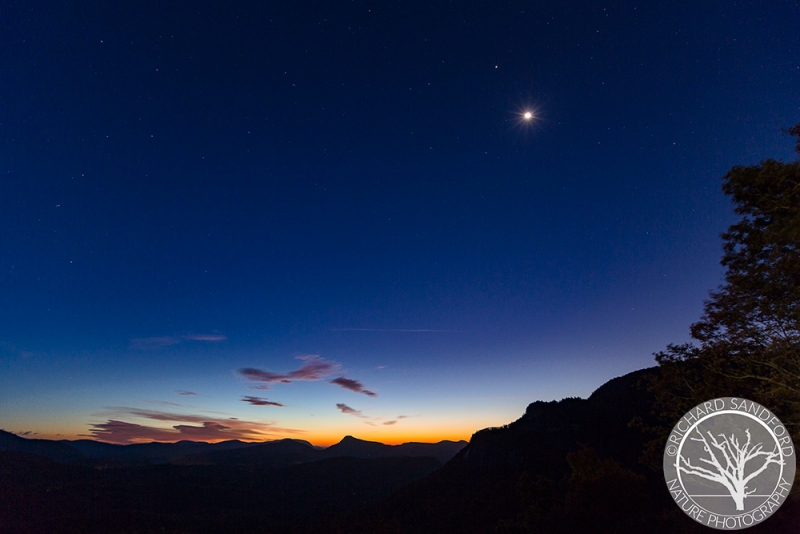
310, 219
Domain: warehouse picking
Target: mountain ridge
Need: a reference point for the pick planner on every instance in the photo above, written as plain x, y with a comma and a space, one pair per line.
277, 453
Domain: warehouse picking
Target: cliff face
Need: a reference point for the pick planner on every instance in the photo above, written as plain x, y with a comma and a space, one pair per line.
530, 474
540, 439
577, 465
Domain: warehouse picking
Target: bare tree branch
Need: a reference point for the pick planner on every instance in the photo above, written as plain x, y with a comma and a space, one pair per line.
737, 455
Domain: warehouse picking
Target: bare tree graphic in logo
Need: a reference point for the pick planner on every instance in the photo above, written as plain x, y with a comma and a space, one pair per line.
731, 463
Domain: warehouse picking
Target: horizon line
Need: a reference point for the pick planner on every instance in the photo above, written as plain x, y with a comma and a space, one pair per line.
87, 438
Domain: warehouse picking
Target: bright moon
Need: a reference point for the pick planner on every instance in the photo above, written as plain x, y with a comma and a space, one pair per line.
527, 115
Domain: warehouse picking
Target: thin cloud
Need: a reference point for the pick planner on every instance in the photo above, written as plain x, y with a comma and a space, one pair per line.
200, 427
350, 411
205, 337
185, 393
390, 422
314, 368
161, 342
259, 401
163, 403
353, 385
124, 433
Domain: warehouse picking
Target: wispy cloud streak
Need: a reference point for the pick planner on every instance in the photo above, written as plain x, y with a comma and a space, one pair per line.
200, 427
123, 433
213, 338
155, 343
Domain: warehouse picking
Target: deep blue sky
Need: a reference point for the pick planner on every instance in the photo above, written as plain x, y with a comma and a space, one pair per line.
189, 189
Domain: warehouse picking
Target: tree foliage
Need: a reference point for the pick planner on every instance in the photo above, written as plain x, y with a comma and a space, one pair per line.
748, 338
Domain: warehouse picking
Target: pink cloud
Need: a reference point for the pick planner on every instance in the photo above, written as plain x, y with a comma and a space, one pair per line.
352, 385
314, 368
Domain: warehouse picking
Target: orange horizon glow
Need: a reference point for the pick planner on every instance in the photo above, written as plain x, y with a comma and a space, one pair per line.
318, 439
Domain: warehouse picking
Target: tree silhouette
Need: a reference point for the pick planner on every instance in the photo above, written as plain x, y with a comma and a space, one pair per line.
747, 342
733, 475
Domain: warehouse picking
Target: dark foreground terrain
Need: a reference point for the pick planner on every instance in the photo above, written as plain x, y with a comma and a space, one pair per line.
279, 486
39, 495
578, 465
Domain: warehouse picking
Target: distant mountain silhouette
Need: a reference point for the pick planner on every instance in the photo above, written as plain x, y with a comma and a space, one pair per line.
285, 485
53, 450
273, 454
287, 452
278, 453
357, 448
94, 449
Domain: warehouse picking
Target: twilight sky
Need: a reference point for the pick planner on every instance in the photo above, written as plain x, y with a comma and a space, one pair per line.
310, 219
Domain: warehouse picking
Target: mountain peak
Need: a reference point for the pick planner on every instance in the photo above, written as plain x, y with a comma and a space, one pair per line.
353, 440
7, 434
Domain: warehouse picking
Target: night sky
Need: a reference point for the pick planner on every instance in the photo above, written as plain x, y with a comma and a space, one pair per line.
260, 220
